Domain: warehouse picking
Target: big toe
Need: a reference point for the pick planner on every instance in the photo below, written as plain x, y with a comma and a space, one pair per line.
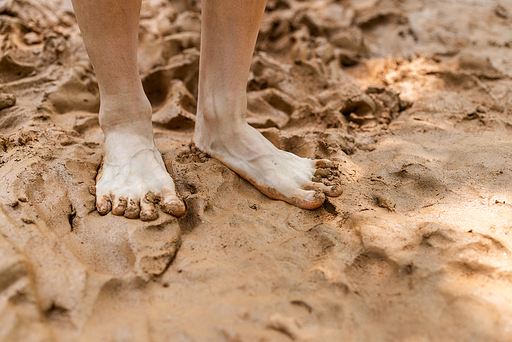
307, 199
171, 204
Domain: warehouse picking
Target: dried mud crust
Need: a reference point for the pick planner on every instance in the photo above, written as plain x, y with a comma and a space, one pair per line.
410, 98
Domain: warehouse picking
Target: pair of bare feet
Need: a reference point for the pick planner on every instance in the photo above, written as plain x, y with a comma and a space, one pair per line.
134, 181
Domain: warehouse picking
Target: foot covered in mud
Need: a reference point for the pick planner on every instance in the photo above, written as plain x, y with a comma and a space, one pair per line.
278, 174
133, 179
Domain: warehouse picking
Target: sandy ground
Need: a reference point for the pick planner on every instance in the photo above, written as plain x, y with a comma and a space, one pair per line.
412, 97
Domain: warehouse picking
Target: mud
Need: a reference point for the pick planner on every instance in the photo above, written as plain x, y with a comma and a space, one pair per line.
411, 97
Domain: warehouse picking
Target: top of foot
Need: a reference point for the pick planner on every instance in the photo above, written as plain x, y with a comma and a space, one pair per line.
278, 174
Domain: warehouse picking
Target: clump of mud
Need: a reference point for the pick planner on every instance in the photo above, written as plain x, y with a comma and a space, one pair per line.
412, 98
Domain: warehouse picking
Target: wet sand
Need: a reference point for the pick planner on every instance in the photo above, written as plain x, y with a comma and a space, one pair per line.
411, 97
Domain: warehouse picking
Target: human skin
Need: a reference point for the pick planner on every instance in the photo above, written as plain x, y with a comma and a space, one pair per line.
133, 179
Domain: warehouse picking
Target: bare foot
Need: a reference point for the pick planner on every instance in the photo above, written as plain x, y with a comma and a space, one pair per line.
278, 174
133, 178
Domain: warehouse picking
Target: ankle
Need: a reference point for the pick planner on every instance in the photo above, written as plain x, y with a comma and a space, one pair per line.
222, 112
125, 111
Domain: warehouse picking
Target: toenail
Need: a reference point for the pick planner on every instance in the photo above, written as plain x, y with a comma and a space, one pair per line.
327, 182
176, 208
336, 190
148, 216
150, 197
314, 196
103, 210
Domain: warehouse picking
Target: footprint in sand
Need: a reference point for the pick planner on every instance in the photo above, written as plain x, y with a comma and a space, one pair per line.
107, 244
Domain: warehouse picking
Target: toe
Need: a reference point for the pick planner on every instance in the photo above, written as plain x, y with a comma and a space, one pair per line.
307, 199
326, 164
132, 209
330, 190
119, 206
148, 210
323, 172
103, 204
171, 204
334, 190
326, 178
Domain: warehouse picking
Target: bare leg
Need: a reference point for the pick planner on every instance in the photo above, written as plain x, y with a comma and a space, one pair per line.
133, 174
228, 36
